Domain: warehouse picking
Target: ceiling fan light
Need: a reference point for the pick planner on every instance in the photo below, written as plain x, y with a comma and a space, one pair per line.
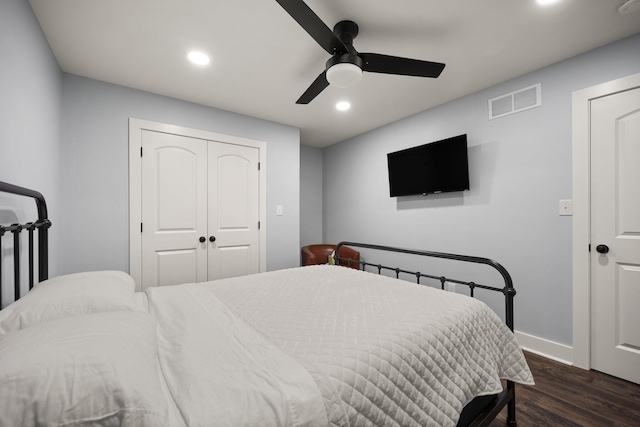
344, 75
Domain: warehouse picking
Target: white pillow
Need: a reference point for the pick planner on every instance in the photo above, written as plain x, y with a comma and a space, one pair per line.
70, 295
92, 370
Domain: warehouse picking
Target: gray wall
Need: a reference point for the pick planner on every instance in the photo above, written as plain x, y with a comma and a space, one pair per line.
30, 99
310, 195
95, 120
520, 167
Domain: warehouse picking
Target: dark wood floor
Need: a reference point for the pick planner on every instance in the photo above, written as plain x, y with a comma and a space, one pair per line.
569, 396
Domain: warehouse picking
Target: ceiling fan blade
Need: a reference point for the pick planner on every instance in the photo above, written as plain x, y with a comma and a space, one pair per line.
313, 25
318, 85
377, 63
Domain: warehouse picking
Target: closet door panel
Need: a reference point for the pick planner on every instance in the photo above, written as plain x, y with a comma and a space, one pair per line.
174, 204
234, 183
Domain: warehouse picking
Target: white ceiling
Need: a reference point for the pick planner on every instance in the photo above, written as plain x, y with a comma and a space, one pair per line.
262, 60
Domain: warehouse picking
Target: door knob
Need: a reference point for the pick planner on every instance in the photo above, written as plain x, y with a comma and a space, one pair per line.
603, 249
212, 239
202, 239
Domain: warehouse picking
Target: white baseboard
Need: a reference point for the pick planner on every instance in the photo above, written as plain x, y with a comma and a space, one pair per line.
549, 349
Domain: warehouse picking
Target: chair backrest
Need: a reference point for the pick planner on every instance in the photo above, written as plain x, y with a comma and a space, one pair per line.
319, 254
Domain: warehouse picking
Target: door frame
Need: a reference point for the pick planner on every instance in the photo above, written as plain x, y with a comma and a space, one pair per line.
581, 163
136, 126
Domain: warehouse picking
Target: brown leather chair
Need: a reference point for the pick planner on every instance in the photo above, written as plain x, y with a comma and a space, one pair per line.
319, 254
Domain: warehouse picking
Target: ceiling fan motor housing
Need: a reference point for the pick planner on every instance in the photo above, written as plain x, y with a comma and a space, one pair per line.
345, 58
344, 69
346, 31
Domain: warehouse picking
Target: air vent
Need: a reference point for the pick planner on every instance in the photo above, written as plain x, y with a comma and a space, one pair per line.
516, 101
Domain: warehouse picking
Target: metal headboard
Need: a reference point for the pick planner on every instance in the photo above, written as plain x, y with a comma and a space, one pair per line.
42, 225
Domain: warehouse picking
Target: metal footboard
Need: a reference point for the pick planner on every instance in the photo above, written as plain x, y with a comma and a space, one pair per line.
42, 225
507, 397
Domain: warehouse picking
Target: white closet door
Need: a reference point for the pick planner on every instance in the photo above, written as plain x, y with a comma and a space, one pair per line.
234, 213
174, 209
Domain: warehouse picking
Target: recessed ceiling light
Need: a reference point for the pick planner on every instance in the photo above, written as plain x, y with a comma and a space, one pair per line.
343, 105
198, 58
546, 2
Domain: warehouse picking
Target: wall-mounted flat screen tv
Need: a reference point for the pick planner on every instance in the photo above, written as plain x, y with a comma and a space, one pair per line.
438, 167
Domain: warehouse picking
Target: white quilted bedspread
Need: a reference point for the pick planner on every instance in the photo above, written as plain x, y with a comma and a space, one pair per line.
221, 372
396, 353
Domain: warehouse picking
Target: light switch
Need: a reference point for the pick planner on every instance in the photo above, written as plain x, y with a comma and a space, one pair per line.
279, 210
566, 207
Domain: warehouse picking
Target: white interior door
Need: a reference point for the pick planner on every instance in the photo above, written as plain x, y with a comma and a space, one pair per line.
615, 223
234, 211
174, 209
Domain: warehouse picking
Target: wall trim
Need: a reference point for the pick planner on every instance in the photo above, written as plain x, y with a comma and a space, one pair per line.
549, 349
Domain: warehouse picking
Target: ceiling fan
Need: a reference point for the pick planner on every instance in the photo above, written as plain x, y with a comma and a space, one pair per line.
345, 67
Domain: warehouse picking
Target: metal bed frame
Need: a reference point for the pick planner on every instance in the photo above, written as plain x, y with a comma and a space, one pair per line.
42, 224
508, 395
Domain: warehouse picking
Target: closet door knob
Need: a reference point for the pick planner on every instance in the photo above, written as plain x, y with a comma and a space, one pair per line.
212, 239
603, 249
202, 239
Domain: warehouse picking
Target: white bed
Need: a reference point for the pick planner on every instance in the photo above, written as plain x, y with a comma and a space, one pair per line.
310, 346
